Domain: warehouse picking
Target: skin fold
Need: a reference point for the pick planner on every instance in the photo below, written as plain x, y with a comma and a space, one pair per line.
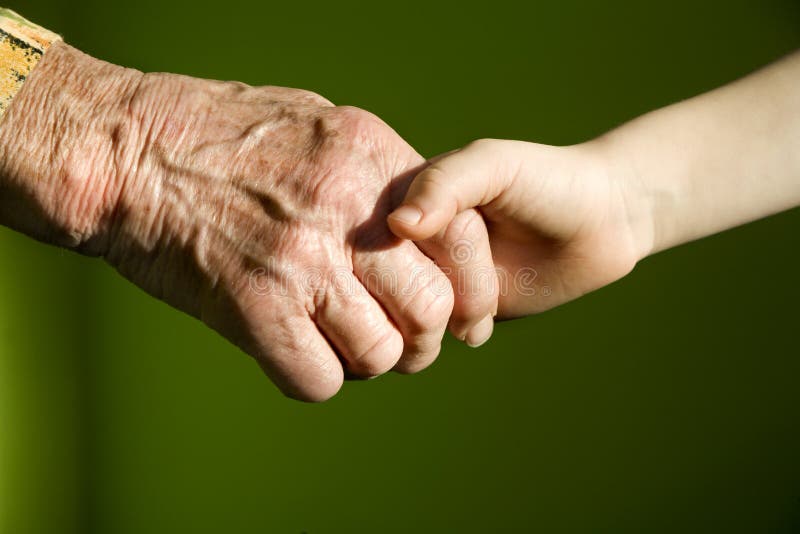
259, 210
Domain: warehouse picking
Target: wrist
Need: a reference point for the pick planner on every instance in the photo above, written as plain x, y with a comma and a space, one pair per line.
637, 195
60, 143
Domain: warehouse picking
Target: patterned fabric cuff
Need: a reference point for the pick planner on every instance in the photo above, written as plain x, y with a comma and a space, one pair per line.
22, 45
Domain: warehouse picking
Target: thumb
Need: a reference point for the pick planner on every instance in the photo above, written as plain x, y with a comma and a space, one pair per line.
455, 182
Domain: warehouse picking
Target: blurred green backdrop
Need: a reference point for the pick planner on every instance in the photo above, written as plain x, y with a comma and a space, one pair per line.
665, 403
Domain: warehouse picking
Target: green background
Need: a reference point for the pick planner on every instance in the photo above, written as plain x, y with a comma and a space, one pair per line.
667, 402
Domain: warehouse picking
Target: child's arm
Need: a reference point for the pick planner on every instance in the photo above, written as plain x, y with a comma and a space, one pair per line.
582, 216
716, 161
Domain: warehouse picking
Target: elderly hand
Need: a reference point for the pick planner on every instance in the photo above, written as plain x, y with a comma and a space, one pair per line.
260, 211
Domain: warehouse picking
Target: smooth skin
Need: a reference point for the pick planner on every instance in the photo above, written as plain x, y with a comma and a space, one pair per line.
582, 216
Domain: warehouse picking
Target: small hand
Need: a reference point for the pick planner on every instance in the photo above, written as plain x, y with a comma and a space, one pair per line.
559, 220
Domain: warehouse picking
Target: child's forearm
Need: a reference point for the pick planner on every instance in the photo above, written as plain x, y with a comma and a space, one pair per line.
716, 161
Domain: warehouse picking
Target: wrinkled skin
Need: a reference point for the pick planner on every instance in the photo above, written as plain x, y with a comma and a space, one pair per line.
265, 200
260, 211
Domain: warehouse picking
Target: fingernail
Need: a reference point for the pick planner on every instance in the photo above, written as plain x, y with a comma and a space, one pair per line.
481, 332
409, 215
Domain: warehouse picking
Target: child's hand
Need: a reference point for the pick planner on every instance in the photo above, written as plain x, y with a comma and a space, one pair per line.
560, 221
564, 221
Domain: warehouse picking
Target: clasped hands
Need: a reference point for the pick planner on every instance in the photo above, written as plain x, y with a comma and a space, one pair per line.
263, 212
269, 214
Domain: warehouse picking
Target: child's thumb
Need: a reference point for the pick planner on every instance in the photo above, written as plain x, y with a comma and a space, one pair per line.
454, 183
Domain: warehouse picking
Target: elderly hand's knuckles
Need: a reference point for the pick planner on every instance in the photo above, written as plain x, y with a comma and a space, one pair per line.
429, 303
277, 185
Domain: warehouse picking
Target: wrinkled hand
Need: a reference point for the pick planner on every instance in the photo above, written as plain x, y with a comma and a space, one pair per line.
260, 211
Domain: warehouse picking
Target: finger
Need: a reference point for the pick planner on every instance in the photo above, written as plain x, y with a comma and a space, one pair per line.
359, 328
290, 349
415, 293
473, 176
462, 251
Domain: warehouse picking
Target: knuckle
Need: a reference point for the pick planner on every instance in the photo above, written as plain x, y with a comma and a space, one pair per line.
313, 98
359, 152
287, 94
347, 142
430, 306
354, 125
